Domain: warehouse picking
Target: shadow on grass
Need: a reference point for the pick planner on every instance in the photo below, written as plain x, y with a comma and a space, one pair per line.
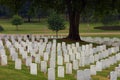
72, 41
108, 28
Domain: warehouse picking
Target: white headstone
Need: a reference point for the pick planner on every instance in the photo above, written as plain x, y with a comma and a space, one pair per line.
92, 59
72, 57
98, 66
14, 56
52, 63
93, 70
18, 64
60, 71
80, 75
43, 66
33, 68
24, 55
117, 69
68, 68
60, 60
28, 61
51, 74
37, 59
66, 58
113, 75
75, 65
78, 56
87, 74
46, 56
3, 60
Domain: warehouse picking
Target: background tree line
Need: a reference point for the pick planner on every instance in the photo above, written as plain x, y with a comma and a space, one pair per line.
74, 10
29, 12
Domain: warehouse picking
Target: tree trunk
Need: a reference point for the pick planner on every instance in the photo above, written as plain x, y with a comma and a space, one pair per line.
29, 19
74, 18
74, 12
39, 18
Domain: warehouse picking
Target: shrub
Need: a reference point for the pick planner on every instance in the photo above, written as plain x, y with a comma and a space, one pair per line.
1, 28
110, 20
56, 23
17, 20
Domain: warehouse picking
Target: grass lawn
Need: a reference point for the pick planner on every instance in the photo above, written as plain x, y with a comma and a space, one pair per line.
9, 73
41, 28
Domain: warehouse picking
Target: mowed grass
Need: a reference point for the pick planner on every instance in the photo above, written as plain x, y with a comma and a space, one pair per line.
41, 28
10, 73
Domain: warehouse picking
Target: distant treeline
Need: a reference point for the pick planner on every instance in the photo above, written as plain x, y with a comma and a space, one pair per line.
28, 12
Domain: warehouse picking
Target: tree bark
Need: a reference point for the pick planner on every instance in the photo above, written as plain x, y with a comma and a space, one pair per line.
74, 18
74, 12
29, 19
39, 18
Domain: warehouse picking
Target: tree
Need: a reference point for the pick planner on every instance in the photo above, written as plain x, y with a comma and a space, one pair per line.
111, 19
17, 20
5, 12
41, 13
31, 10
27, 10
56, 23
14, 5
75, 8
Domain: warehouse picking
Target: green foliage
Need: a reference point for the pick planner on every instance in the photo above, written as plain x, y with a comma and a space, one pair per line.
1, 28
110, 20
56, 22
17, 20
14, 5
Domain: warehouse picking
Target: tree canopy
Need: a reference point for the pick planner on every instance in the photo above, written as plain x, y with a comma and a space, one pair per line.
17, 20
56, 23
74, 9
